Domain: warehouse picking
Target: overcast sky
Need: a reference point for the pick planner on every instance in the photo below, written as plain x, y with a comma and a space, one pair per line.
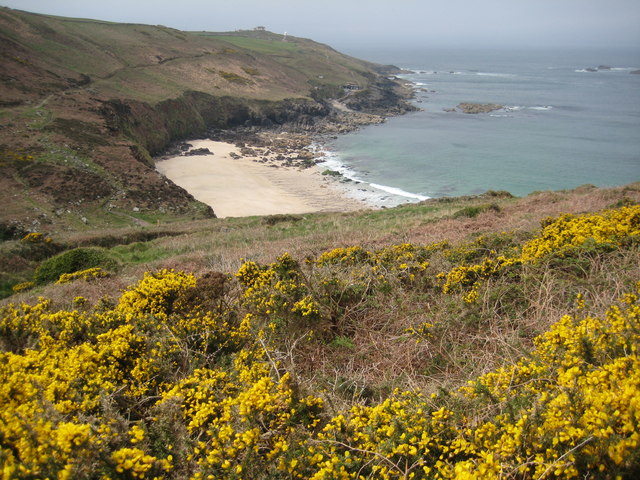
351, 24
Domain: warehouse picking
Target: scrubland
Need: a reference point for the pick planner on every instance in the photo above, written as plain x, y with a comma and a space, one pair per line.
485, 337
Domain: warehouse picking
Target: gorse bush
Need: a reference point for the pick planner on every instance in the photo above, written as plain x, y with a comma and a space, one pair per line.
189, 377
73, 261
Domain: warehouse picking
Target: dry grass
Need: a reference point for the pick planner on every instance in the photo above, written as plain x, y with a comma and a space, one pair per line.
221, 244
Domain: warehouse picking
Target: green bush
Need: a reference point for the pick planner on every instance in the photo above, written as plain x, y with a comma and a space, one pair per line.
73, 261
475, 210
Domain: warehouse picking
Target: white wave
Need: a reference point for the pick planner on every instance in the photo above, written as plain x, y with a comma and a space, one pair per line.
516, 108
332, 162
358, 189
582, 70
624, 69
399, 192
485, 74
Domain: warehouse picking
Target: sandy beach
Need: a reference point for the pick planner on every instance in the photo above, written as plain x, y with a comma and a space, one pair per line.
236, 186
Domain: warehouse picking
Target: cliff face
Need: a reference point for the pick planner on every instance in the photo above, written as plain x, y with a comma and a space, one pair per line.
86, 103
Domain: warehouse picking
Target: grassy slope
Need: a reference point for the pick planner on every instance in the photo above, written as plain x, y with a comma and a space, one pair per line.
153, 63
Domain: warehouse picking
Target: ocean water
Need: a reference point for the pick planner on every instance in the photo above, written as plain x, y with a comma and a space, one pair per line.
562, 126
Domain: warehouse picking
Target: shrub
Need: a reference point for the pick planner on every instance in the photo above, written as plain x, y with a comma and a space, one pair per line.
157, 293
72, 261
497, 194
233, 77
36, 247
474, 211
271, 220
251, 71
88, 274
10, 232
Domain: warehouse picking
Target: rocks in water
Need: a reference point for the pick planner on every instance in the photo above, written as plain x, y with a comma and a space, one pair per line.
636, 72
474, 108
598, 68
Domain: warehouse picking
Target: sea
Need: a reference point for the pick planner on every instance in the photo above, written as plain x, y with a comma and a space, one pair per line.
570, 118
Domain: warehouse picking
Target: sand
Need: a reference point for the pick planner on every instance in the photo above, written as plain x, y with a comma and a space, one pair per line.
239, 187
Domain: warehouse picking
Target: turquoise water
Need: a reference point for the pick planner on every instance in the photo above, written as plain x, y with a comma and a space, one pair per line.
563, 126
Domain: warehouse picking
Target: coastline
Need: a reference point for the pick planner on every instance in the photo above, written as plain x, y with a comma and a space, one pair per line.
267, 171
238, 181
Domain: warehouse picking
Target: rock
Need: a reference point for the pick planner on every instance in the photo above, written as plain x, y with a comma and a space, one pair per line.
636, 72
604, 67
198, 151
591, 69
479, 107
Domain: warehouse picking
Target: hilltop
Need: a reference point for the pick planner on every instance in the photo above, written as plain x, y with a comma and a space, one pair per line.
86, 103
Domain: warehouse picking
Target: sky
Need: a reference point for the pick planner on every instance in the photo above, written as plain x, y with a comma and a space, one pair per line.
352, 25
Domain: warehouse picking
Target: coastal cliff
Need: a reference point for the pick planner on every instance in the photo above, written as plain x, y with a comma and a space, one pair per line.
85, 104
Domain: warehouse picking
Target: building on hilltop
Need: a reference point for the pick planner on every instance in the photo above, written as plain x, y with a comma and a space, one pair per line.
259, 29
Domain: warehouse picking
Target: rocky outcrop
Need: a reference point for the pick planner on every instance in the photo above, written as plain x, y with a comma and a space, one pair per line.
198, 151
383, 97
474, 108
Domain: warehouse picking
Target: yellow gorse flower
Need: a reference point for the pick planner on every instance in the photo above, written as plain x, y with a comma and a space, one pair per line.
157, 387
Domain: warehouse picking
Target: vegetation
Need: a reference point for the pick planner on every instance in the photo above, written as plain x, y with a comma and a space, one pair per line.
475, 337
72, 261
510, 354
233, 77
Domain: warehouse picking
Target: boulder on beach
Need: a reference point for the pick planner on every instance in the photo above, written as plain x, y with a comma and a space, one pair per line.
198, 151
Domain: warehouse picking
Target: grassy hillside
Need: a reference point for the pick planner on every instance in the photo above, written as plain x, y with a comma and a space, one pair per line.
485, 337
153, 63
